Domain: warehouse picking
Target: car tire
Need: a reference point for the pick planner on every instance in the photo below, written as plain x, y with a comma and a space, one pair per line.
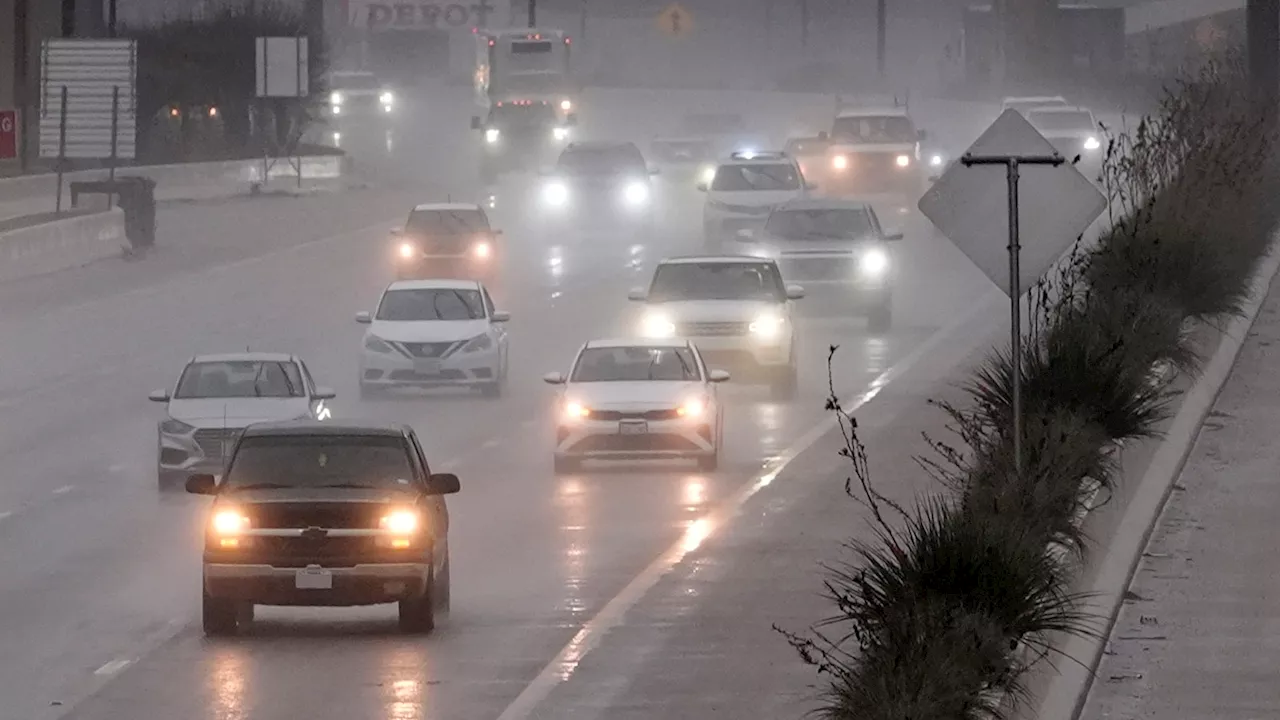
219, 617
566, 465
443, 589
880, 319
785, 383
418, 614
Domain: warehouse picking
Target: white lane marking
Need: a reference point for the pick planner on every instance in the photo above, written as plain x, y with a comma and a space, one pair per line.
6, 514
113, 667
588, 637
64, 489
491, 442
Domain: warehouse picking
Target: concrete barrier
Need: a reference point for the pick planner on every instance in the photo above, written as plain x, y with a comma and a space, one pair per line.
61, 244
36, 193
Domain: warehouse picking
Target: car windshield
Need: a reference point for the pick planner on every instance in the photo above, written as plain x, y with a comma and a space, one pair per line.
446, 222
320, 461
426, 304
602, 161
1051, 120
717, 281
356, 81
762, 177
521, 116
886, 129
833, 223
240, 379
636, 364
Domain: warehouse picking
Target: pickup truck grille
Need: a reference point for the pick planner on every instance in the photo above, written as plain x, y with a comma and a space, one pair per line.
713, 329
328, 515
670, 414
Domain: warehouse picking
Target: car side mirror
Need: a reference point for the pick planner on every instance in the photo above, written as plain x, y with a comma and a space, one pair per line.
201, 484
324, 393
718, 376
702, 187
893, 236
475, 123
794, 292
637, 295
443, 484
501, 316
364, 318
159, 396
553, 378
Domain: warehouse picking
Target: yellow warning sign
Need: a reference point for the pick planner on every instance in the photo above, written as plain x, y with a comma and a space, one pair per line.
675, 21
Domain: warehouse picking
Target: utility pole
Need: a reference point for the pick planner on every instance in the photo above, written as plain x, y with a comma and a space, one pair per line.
881, 22
1262, 23
111, 18
21, 78
804, 23
533, 13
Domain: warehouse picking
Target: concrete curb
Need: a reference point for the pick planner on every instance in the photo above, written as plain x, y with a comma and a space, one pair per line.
1070, 688
61, 244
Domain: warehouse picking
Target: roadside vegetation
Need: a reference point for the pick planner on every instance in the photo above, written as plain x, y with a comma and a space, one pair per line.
959, 594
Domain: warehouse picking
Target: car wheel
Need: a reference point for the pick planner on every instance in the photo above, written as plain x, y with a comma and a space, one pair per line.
785, 383
880, 319
566, 465
218, 616
418, 614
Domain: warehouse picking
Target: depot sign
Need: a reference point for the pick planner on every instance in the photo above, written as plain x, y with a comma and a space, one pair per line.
426, 14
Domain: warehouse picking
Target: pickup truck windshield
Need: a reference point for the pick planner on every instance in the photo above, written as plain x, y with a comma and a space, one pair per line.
320, 461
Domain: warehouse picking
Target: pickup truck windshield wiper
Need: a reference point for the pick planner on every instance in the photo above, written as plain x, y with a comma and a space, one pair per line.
258, 486
357, 486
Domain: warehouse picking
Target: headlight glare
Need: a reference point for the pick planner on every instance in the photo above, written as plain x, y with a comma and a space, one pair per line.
636, 193
935, 161
407, 250
373, 343
560, 133
708, 174
229, 522
657, 326
400, 522
767, 326
874, 262
555, 194
491, 135
840, 162
335, 98
903, 160
692, 409
566, 105
1092, 144
387, 98
482, 250
574, 410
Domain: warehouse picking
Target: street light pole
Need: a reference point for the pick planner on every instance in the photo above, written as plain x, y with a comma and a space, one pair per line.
21, 78
881, 21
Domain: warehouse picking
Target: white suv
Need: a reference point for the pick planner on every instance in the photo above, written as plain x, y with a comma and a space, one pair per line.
735, 308
744, 189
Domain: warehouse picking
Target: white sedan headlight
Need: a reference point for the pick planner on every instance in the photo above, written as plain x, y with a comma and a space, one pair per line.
657, 325
903, 160
555, 194
336, 98
491, 135
767, 327
840, 162
935, 160
1092, 143
636, 193
407, 251
874, 262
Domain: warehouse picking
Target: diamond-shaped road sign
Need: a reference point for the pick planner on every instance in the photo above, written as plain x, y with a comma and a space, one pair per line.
675, 21
970, 205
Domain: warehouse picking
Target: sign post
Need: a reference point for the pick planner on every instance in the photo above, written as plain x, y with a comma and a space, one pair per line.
1038, 196
283, 71
675, 21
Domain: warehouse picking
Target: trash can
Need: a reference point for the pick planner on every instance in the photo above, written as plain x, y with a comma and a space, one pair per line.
137, 198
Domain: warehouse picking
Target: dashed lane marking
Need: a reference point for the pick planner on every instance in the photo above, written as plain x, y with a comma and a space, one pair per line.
113, 667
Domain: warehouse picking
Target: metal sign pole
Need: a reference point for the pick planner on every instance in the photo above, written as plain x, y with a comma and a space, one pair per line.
115, 143
62, 146
1011, 164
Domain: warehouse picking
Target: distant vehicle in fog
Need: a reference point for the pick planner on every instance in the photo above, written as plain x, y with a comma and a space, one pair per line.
638, 399
835, 248
1025, 104
521, 135
684, 157
447, 240
217, 396
599, 184
528, 64
876, 153
359, 96
809, 152
1072, 130
433, 334
735, 308
744, 189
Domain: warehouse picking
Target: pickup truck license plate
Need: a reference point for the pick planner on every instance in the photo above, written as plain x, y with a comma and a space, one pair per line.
426, 367
633, 428
314, 579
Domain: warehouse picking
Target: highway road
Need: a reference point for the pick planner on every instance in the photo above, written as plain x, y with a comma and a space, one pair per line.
99, 572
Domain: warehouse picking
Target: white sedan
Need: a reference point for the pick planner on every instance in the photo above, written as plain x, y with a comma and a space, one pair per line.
638, 399
434, 333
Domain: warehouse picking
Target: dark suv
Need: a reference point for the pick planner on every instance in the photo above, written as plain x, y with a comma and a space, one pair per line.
317, 514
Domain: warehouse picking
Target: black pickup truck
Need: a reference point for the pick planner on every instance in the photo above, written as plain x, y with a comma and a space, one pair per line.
312, 513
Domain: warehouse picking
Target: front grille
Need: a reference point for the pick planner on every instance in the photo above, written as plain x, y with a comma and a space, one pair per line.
825, 268
713, 329
331, 515
213, 441
427, 350
747, 209
876, 172
635, 443
611, 415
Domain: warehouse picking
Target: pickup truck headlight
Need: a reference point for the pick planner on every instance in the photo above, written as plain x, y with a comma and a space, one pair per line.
767, 327
636, 193
874, 262
229, 521
407, 251
560, 133
657, 325
840, 162
903, 160
555, 194
491, 135
401, 527
1092, 143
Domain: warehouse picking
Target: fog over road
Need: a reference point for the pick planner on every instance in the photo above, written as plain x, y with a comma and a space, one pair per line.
100, 573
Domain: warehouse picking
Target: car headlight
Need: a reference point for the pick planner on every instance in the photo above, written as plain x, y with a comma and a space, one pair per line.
903, 160
566, 105
386, 98
1092, 143
656, 325
336, 98
175, 427
229, 521
767, 327
692, 409
935, 161
478, 343
636, 193
555, 193
491, 135
482, 250
874, 262
407, 250
373, 343
708, 174
574, 411
840, 162
560, 133
400, 522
